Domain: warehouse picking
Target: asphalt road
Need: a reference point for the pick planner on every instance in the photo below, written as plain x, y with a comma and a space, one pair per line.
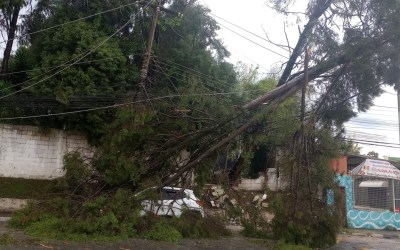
364, 242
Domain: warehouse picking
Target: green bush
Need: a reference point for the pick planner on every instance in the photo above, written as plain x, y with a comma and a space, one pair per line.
250, 231
318, 229
192, 225
113, 216
163, 232
28, 215
46, 228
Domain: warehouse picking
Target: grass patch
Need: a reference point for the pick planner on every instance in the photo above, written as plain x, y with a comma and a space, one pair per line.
6, 239
286, 246
19, 188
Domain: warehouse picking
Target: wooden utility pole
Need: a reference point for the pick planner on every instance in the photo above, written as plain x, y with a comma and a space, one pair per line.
303, 92
149, 44
303, 141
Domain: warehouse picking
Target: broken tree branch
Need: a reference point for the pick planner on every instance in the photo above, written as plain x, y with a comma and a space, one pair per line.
319, 10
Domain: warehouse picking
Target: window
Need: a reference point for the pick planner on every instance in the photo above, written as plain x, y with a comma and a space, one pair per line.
397, 195
171, 194
372, 193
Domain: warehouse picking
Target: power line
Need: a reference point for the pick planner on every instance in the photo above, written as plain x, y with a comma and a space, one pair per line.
374, 143
194, 72
384, 107
59, 25
237, 26
118, 105
371, 114
374, 124
387, 92
381, 129
270, 50
378, 121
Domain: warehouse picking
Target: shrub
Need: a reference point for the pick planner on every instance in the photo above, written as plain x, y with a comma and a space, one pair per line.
26, 216
192, 225
46, 228
315, 229
163, 232
111, 216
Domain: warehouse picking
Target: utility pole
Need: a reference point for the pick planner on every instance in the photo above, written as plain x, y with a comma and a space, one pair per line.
398, 109
149, 44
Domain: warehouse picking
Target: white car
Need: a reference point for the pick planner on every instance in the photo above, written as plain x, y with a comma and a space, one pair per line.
173, 201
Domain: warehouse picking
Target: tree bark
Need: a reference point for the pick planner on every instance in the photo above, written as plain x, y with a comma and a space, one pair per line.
295, 84
10, 41
322, 6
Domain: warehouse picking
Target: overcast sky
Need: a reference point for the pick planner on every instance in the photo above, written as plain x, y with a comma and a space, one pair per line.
380, 123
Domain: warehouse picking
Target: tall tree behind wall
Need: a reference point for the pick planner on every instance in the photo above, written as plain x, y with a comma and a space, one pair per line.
9, 13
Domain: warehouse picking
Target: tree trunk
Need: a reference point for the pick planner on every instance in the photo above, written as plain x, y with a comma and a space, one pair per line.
275, 97
10, 37
320, 9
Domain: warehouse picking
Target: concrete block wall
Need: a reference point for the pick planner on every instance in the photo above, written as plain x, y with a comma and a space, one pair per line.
27, 152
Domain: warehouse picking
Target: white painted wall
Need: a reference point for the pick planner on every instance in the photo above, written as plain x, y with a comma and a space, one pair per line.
27, 152
273, 183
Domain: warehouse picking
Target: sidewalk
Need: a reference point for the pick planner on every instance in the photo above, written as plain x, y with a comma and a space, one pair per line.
373, 233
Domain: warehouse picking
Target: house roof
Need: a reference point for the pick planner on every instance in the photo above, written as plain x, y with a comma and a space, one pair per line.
377, 168
355, 160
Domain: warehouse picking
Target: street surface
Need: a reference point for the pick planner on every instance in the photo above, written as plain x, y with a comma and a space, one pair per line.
374, 240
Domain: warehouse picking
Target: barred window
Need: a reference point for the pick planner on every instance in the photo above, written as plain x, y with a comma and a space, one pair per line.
397, 195
370, 193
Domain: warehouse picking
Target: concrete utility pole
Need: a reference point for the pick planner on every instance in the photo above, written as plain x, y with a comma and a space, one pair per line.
398, 109
149, 44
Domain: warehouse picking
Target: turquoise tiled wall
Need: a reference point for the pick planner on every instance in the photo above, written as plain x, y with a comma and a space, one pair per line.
366, 219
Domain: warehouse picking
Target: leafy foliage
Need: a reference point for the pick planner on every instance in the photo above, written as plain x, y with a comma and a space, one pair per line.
163, 232
373, 154
105, 217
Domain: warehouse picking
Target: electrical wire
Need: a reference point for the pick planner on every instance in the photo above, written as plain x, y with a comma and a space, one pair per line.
385, 107
261, 46
201, 75
118, 105
251, 33
381, 129
374, 143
